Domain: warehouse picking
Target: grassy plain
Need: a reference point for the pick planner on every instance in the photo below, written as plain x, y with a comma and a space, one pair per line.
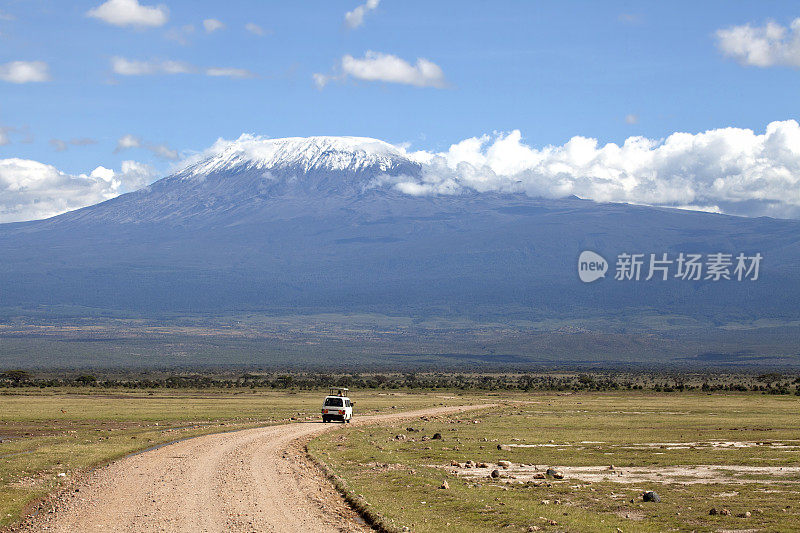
44, 433
654, 441
68, 430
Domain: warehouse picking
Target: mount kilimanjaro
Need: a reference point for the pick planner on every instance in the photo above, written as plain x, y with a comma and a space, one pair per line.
319, 225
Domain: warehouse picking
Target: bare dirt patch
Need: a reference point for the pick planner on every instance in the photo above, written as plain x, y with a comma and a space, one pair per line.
683, 474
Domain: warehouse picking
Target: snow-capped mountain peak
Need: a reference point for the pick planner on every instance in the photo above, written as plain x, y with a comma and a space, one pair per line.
298, 154
242, 178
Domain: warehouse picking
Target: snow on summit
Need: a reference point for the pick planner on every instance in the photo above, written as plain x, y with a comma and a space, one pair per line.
301, 154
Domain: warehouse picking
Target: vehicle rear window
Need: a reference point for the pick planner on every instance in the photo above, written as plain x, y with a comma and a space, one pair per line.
333, 402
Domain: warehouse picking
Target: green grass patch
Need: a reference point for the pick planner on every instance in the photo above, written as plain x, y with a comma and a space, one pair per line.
400, 478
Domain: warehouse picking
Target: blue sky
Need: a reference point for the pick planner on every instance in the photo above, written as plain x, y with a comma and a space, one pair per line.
549, 69
553, 70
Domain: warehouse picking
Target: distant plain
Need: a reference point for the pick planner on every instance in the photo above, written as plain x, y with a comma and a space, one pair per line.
86, 339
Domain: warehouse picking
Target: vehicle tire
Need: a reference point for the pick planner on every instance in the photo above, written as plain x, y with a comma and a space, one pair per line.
324, 419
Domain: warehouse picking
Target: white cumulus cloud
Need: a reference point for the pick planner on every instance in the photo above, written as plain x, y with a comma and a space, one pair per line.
255, 29
229, 72
163, 151
31, 190
127, 142
134, 175
130, 13
58, 144
23, 132
61, 145
25, 72
355, 18
762, 46
132, 67
180, 34
729, 170
212, 25
376, 66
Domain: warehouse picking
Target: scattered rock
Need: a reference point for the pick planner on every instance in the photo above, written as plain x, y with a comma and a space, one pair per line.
758, 511
555, 474
483, 465
437, 436
539, 475
401, 436
445, 486
495, 473
410, 430
455, 463
504, 448
545, 502
725, 512
746, 514
650, 496
713, 511
504, 464
534, 528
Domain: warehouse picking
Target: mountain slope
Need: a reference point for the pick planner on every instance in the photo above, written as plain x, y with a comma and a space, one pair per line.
315, 225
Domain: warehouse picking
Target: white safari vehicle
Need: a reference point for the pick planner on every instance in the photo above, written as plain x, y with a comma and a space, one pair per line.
337, 406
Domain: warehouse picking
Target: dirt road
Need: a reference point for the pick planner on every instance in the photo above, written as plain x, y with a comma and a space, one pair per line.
252, 480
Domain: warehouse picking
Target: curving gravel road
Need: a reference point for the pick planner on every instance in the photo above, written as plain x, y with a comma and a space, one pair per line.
253, 480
